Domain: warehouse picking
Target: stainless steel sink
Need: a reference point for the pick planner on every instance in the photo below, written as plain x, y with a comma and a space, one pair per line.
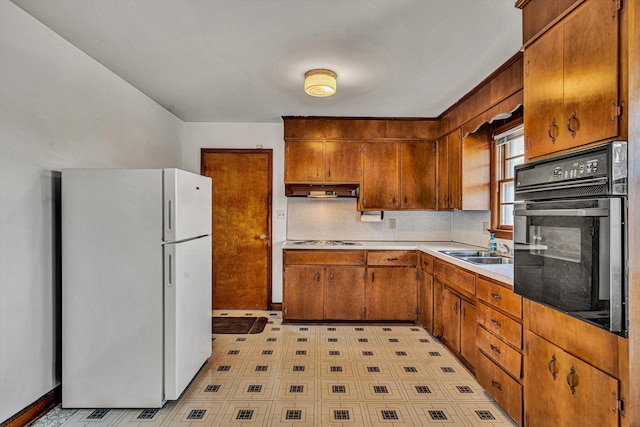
494, 259
478, 257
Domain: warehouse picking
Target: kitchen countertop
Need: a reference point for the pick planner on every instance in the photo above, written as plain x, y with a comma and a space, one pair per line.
501, 272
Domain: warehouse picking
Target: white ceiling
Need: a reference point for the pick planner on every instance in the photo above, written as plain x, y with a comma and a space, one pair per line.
244, 60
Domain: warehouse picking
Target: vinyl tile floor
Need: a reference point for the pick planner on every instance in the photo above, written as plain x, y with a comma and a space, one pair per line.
316, 375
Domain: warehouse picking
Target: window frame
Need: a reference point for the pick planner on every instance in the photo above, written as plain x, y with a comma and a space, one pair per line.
501, 231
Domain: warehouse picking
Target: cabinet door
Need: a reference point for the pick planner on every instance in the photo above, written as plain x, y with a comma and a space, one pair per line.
589, 395
451, 319
391, 293
344, 293
303, 292
443, 172
425, 300
468, 332
303, 161
455, 169
543, 91
342, 161
590, 74
380, 176
417, 175
561, 389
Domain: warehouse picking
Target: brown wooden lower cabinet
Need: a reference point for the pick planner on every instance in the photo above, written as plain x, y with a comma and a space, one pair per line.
504, 389
562, 390
344, 293
304, 294
391, 293
459, 325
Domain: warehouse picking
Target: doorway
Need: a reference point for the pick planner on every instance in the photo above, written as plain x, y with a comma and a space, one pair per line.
241, 221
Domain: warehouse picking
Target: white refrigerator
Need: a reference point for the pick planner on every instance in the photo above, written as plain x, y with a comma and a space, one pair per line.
136, 285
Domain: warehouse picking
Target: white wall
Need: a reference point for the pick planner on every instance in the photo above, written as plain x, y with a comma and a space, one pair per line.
58, 109
246, 135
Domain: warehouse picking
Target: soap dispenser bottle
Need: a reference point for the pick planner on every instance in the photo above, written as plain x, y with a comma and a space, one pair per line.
493, 246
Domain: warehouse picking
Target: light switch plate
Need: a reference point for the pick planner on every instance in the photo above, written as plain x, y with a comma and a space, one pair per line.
485, 227
392, 223
281, 214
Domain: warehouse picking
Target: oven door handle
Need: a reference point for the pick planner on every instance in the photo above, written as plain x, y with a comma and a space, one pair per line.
563, 185
562, 212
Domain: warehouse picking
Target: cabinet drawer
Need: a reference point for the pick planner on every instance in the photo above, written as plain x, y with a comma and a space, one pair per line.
426, 263
501, 353
500, 297
505, 390
455, 277
506, 328
404, 258
328, 257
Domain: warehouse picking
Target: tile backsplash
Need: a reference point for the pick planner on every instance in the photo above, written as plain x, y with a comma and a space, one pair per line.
338, 219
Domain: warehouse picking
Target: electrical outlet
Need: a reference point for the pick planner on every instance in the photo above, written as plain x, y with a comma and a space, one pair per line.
392, 223
281, 214
485, 228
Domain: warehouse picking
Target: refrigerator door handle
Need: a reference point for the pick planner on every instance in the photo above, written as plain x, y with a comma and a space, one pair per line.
170, 281
169, 219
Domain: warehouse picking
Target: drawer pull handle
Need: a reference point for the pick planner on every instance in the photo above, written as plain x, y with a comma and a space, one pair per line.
572, 117
496, 296
494, 348
496, 384
572, 380
552, 367
496, 323
392, 259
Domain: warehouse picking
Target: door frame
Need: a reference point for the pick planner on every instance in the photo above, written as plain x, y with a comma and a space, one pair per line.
269, 153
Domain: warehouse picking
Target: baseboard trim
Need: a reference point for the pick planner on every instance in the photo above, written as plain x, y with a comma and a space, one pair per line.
275, 306
35, 410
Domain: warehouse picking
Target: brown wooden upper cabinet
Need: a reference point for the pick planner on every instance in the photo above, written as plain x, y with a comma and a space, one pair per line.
398, 175
464, 171
571, 81
322, 162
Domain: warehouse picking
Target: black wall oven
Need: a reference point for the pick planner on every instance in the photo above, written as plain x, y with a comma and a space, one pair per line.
570, 234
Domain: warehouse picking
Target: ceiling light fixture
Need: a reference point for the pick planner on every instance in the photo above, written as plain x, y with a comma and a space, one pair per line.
320, 83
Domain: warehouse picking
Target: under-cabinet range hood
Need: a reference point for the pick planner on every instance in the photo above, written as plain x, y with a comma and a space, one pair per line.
322, 191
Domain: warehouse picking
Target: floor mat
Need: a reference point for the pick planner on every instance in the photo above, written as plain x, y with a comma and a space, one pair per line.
238, 325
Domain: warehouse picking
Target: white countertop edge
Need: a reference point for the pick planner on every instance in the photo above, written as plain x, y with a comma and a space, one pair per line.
502, 273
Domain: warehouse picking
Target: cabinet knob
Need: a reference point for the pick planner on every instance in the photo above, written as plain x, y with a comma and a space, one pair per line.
263, 237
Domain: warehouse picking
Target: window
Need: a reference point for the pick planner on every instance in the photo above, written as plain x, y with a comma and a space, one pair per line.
508, 152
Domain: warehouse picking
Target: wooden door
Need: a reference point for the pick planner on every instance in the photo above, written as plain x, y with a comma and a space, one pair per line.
342, 161
425, 300
542, 382
303, 161
391, 293
417, 175
380, 176
543, 91
437, 308
589, 395
468, 325
241, 211
451, 319
590, 74
344, 293
455, 169
304, 290
443, 172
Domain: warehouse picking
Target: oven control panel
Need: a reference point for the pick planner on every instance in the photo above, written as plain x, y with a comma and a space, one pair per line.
581, 168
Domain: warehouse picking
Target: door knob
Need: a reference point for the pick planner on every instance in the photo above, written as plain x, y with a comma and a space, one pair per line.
263, 237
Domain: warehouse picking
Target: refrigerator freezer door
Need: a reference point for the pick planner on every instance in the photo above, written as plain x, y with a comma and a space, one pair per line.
187, 322
187, 205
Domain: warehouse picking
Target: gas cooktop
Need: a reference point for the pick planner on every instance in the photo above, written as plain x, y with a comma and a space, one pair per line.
324, 242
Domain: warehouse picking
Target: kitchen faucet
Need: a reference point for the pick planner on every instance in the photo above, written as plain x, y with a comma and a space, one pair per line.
504, 249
